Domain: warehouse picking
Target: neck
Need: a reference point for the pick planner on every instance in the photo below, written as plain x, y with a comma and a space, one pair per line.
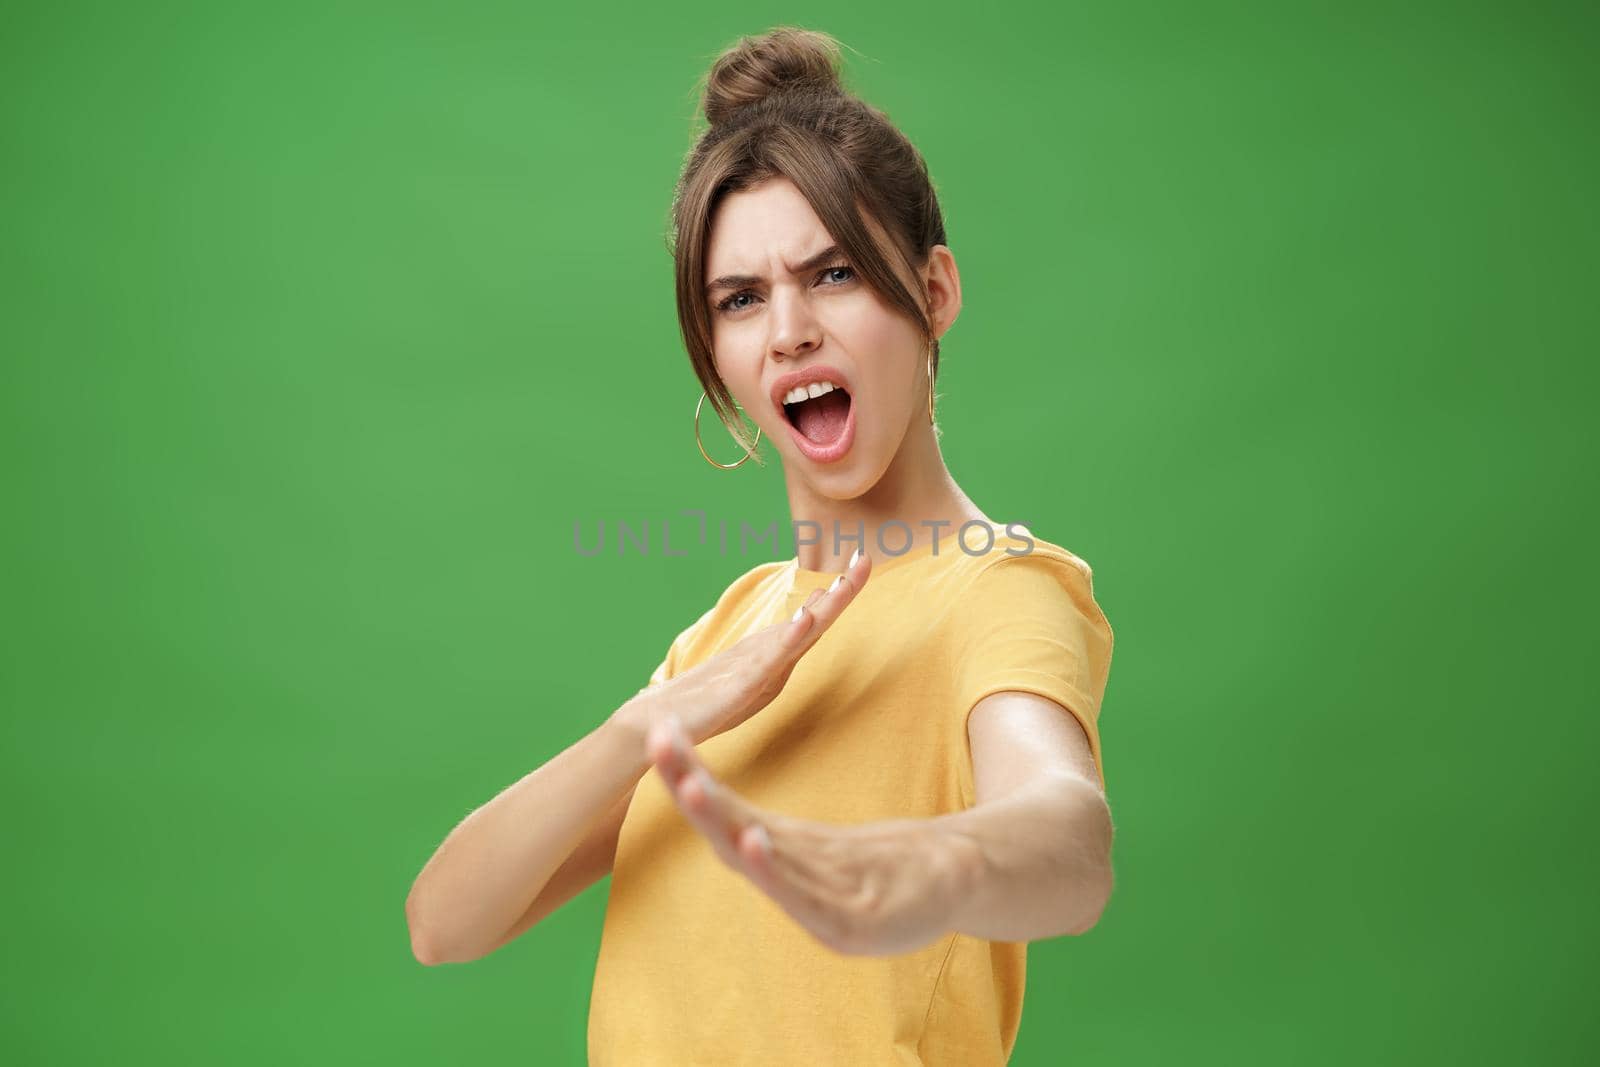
915, 490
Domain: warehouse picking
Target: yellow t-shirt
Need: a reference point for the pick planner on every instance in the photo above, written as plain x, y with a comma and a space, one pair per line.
696, 964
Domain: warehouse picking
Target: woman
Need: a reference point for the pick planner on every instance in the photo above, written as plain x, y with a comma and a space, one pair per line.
878, 764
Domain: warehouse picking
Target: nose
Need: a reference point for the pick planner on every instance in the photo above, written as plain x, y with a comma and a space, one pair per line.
795, 329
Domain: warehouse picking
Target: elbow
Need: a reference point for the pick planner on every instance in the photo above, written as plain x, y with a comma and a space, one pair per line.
425, 944
1094, 886
430, 953
424, 955
421, 947
430, 950
1091, 904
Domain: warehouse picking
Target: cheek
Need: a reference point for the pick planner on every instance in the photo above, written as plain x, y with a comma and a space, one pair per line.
740, 374
894, 362
876, 332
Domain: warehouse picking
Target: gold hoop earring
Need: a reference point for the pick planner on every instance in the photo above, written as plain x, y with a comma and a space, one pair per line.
724, 466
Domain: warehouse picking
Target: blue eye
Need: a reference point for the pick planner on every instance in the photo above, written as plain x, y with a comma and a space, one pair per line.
726, 304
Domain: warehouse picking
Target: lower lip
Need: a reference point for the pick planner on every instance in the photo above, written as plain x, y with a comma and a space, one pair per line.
826, 453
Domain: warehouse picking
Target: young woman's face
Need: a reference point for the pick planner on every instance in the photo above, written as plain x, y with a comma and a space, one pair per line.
790, 310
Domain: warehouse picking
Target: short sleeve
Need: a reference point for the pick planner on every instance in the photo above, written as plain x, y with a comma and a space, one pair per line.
715, 624
671, 664
1031, 623
662, 672
668, 667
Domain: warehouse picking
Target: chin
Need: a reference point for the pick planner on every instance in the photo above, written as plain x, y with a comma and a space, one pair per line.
849, 479
839, 488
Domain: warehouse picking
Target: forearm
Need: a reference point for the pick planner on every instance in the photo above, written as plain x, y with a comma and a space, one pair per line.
495, 862
1033, 864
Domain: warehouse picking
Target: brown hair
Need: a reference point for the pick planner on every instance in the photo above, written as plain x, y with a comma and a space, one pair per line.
776, 107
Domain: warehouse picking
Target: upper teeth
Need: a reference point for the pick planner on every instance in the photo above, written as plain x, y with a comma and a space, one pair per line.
806, 392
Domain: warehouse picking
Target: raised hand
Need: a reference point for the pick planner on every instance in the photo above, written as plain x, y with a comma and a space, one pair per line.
733, 685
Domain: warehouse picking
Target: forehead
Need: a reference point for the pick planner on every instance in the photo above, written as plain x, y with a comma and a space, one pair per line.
754, 225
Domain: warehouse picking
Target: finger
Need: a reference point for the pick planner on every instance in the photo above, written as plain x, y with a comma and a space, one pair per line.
819, 910
817, 854
716, 808
743, 836
854, 576
663, 753
802, 617
672, 754
800, 622
719, 812
823, 609
789, 853
694, 801
844, 588
799, 864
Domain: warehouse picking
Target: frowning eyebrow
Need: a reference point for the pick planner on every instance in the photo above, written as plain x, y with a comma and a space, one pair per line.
739, 281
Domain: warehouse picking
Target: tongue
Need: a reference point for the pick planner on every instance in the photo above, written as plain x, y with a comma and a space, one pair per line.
822, 419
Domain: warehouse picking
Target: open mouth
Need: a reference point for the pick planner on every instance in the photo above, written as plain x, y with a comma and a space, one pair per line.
821, 419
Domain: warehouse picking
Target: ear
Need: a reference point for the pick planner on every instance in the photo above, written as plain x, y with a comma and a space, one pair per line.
943, 284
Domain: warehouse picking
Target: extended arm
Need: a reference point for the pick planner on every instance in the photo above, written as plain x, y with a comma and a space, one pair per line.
1033, 855
1030, 860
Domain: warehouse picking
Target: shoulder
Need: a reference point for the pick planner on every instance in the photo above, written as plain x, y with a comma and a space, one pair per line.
1021, 559
1027, 621
1026, 577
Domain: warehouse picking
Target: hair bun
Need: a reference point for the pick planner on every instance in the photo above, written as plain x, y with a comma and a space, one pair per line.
780, 60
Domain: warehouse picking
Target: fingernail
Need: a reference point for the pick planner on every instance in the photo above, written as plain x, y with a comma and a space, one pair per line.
837, 582
799, 613
855, 556
763, 839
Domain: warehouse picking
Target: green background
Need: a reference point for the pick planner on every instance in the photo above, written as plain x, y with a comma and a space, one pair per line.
322, 328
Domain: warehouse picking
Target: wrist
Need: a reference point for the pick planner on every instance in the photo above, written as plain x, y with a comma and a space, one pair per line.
631, 723
961, 866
